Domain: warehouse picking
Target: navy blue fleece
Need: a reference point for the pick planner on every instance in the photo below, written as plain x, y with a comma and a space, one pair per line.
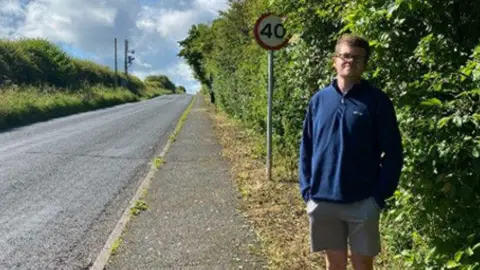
342, 143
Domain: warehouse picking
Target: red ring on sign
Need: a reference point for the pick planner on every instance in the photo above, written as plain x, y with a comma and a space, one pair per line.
257, 36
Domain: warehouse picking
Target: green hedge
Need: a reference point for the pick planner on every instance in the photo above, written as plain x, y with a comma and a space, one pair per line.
40, 62
39, 81
160, 81
426, 57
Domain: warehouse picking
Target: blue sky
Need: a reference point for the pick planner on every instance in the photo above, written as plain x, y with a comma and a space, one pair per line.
87, 28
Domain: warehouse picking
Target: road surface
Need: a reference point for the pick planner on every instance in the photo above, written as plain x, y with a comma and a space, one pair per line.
65, 183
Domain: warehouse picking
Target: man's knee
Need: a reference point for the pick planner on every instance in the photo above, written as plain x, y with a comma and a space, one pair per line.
362, 262
336, 259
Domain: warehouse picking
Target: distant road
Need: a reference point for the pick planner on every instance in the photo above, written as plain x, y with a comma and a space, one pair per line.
65, 183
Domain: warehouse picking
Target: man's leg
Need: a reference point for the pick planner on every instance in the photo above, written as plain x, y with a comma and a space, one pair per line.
336, 259
362, 262
363, 231
328, 233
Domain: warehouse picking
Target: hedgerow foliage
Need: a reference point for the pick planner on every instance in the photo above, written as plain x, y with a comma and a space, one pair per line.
160, 81
426, 57
40, 62
39, 81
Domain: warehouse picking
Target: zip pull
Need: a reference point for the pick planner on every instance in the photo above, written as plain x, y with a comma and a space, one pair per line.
357, 112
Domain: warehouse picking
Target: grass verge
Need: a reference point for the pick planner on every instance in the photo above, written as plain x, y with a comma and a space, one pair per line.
158, 162
274, 207
182, 120
25, 105
116, 245
139, 206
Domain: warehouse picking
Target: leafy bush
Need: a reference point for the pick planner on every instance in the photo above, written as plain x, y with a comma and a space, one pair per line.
56, 68
180, 89
160, 81
15, 64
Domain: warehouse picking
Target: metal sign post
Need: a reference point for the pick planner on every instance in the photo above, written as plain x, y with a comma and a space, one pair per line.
270, 35
269, 114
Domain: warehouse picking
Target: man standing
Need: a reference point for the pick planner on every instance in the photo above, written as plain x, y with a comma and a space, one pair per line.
350, 160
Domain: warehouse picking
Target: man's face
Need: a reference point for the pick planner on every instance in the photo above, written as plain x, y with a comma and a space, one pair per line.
349, 61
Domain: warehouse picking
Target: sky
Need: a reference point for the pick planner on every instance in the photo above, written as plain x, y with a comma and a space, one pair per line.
86, 29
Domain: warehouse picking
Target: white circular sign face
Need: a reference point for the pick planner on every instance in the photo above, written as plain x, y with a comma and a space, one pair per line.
270, 32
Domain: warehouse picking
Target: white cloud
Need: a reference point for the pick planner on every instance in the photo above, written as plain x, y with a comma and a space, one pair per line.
183, 70
140, 62
212, 5
11, 7
170, 23
89, 27
10, 14
174, 24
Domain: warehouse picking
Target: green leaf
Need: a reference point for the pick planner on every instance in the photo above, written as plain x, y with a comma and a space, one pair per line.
471, 92
469, 251
457, 120
458, 256
476, 116
475, 92
399, 218
405, 252
432, 102
477, 50
475, 153
430, 253
476, 246
442, 122
452, 264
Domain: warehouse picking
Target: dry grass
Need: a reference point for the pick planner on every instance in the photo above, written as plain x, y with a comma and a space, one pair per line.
275, 208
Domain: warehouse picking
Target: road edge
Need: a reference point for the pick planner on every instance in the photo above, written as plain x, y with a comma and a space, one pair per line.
105, 253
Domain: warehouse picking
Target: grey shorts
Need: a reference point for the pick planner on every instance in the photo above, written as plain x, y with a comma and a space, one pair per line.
333, 226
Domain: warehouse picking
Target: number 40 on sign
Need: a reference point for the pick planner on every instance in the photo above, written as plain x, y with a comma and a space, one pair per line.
270, 35
270, 32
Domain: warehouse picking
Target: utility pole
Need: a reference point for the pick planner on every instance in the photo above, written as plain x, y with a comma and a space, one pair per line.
128, 61
126, 55
128, 58
116, 69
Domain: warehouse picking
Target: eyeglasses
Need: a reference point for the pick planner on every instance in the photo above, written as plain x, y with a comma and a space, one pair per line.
347, 56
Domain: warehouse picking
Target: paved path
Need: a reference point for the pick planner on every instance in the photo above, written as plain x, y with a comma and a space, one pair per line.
191, 222
65, 183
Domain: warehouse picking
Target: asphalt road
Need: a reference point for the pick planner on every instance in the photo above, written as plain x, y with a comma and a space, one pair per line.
65, 183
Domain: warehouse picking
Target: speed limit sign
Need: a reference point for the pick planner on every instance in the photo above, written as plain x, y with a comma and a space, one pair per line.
270, 32
271, 35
